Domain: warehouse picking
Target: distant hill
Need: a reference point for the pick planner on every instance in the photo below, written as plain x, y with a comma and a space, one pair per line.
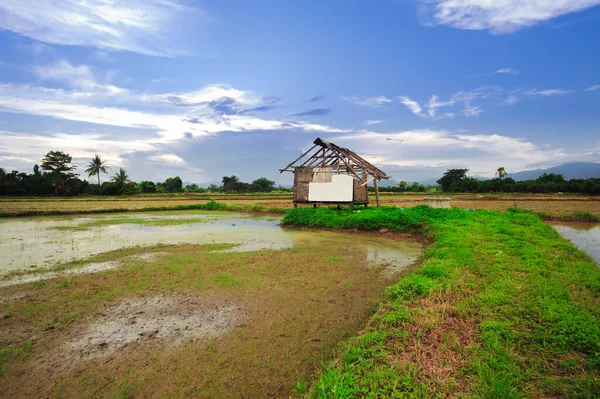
575, 170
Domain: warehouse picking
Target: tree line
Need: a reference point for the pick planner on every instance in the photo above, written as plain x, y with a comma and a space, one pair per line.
55, 175
456, 180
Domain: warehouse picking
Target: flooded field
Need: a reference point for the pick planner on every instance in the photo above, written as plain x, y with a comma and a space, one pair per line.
585, 235
45, 242
153, 298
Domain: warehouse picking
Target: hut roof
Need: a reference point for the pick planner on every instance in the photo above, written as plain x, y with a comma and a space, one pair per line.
325, 153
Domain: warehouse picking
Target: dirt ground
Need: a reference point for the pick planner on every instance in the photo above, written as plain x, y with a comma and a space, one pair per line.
550, 203
189, 323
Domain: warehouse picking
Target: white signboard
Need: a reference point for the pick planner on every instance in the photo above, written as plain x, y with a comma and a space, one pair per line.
340, 189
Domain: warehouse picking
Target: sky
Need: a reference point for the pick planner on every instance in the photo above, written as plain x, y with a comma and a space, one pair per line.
205, 89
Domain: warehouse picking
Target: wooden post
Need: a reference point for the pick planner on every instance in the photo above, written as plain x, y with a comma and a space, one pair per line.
376, 192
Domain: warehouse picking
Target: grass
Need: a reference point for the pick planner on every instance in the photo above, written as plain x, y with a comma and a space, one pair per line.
295, 305
502, 307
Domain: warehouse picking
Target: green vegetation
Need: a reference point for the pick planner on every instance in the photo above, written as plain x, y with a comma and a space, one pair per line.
456, 180
292, 306
502, 307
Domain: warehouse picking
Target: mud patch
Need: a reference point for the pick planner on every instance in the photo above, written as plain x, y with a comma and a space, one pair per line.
146, 320
93, 267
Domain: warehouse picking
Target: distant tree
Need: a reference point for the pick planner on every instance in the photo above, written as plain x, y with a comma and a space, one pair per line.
96, 166
120, 178
501, 173
147, 186
36, 170
452, 176
229, 182
173, 185
402, 185
131, 188
110, 188
263, 185
59, 165
214, 188
417, 187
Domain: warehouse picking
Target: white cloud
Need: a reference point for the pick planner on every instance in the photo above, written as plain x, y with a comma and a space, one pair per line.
204, 95
547, 92
81, 146
170, 159
507, 71
141, 26
465, 99
13, 158
501, 16
412, 105
441, 148
374, 122
593, 88
369, 102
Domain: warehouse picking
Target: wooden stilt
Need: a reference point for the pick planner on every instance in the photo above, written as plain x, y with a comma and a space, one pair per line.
376, 191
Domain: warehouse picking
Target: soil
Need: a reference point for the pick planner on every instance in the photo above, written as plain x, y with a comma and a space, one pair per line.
145, 320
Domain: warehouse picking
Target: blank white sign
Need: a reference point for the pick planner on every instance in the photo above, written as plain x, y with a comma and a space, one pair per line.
340, 189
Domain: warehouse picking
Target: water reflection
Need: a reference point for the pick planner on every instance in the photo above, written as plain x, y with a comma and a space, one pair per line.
28, 244
585, 235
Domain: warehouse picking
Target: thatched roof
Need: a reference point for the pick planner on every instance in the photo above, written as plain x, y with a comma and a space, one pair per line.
325, 153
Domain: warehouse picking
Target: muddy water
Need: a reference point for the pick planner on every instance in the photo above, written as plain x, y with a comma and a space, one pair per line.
29, 244
585, 235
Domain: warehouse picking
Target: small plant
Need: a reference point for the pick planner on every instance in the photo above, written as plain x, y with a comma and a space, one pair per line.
301, 387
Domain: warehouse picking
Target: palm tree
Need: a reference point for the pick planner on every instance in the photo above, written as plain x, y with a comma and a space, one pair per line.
120, 178
95, 166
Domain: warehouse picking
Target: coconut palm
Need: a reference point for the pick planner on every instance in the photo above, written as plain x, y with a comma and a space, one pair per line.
120, 178
96, 166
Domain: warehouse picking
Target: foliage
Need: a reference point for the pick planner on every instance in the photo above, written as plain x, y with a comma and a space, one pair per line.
95, 167
501, 173
173, 185
131, 188
262, 185
452, 177
147, 186
457, 181
57, 163
531, 298
120, 178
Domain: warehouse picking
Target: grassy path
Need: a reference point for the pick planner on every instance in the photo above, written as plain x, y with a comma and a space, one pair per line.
502, 307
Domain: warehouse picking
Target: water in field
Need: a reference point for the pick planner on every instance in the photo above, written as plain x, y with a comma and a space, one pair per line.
585, 235
43, 242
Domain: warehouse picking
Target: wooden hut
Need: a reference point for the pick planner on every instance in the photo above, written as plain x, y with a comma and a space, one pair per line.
333, 175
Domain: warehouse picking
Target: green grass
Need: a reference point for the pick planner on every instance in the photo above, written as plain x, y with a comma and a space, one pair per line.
502, 307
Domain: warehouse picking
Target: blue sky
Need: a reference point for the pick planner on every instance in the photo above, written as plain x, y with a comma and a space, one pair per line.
203, 89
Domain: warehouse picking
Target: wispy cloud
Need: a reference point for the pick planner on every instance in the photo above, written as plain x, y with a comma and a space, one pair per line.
171, 159
412, 105
593, 88
547, 92
373, 122
507, 71
500, 17
314, 112
369, 102
320, 97
463, 99
141, 26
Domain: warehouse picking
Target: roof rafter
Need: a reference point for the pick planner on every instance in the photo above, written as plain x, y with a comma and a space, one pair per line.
330, 154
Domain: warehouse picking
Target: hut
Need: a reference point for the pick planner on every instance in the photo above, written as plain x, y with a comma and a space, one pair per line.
333, 175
